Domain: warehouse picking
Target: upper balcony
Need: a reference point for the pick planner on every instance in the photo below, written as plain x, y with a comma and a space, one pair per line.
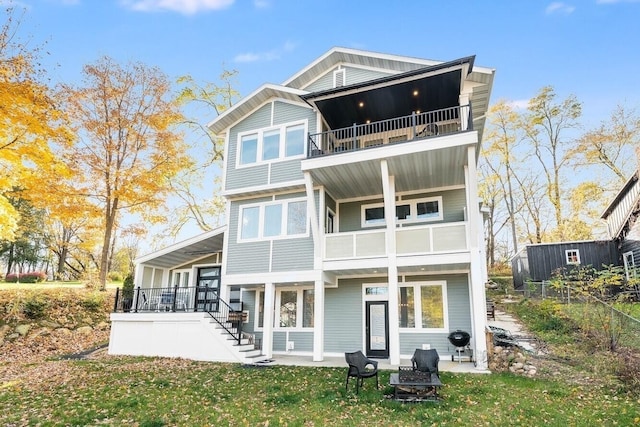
397, 130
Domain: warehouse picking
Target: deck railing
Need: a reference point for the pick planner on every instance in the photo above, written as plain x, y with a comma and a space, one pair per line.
391, 131
229, 316
418, 239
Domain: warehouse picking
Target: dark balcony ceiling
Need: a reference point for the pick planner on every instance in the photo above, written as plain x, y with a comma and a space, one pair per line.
425, 89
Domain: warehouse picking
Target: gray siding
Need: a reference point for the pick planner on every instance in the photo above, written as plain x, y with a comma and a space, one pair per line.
292, 254
286, 171
266, 173
343, 317
459, 315
354, 75
453, 205
251, 257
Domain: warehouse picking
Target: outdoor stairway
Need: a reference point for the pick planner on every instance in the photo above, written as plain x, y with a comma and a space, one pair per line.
245, 351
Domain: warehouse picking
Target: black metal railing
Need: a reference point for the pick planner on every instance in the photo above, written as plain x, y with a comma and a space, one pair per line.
391, 131
183, 299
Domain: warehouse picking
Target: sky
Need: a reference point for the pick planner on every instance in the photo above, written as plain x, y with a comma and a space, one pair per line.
589, 48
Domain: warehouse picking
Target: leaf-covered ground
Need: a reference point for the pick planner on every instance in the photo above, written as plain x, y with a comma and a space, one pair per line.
39, 388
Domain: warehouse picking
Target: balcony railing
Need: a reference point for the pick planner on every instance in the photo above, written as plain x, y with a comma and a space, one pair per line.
420, 239
391, 131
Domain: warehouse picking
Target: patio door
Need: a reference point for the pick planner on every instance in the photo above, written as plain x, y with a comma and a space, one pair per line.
377, 329
208, 289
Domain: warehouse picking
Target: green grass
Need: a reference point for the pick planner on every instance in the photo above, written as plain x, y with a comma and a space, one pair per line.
120, 391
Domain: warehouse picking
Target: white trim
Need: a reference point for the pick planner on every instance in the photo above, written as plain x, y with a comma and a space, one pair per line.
274, 277
276, 315
568, 253
284, 220
413, 208
260, 134
180, 245
629, 267
250, 192
417, 306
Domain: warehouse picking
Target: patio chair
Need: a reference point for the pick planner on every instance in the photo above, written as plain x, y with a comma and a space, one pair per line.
360, 367
426, 360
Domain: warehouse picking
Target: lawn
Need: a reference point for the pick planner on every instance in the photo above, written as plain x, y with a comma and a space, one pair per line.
120, 391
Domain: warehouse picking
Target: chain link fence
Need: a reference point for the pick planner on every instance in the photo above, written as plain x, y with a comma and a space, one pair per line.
611, 323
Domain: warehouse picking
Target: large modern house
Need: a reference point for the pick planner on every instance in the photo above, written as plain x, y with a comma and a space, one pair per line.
353, 222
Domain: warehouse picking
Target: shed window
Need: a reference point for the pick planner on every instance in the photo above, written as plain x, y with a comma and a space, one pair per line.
572, 256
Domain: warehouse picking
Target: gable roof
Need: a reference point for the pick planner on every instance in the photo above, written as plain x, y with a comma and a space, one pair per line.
479, 81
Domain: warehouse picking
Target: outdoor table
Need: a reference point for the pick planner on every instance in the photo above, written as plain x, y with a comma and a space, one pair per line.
415, 390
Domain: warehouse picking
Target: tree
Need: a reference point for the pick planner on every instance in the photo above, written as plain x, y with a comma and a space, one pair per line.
503, 138
31, 123
546, 125
202, 100
129, 148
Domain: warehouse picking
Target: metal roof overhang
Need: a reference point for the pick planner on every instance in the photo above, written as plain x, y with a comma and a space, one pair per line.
425, 89
187, 251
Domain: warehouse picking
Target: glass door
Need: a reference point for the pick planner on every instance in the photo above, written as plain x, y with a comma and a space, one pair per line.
208, 289
377, 329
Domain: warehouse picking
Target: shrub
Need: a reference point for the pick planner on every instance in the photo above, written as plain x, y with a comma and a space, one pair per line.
31, 277
115, 276
35, 306
629, 369
93, 301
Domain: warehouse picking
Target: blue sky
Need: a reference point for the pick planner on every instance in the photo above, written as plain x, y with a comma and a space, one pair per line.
589, 48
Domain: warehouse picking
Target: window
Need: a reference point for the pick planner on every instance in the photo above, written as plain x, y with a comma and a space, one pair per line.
296, 218
419, 210
423, 305
271, 145
281, 142
294, 308
629, 265
573, 256
373, 215
250, 226
279, 219
272, 220
248, 149
294, 141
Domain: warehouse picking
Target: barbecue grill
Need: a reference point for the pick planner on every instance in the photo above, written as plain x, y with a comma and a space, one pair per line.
460, 340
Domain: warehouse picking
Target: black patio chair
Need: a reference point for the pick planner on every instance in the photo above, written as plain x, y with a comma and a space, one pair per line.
360, 367
426, 360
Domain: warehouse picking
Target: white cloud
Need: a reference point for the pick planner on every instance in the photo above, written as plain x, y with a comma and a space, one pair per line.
261, 4
265, 56
559, 7
186, 7
519, 104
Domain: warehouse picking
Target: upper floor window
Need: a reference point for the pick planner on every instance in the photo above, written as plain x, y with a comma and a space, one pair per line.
285, 218
572, 256
428, 209
286, 141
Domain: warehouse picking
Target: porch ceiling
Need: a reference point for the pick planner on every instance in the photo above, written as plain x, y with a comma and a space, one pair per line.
187, 251
415, 171
427, 89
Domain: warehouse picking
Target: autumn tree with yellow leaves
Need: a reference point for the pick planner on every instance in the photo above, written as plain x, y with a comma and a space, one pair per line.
32, 125
129, 148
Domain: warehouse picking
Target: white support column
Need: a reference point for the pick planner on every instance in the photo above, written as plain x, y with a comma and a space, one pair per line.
318, 321
318, 288
389, 192
464, 118
269, 308
476, 283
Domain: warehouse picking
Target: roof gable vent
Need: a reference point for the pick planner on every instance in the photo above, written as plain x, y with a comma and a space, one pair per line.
339, 78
